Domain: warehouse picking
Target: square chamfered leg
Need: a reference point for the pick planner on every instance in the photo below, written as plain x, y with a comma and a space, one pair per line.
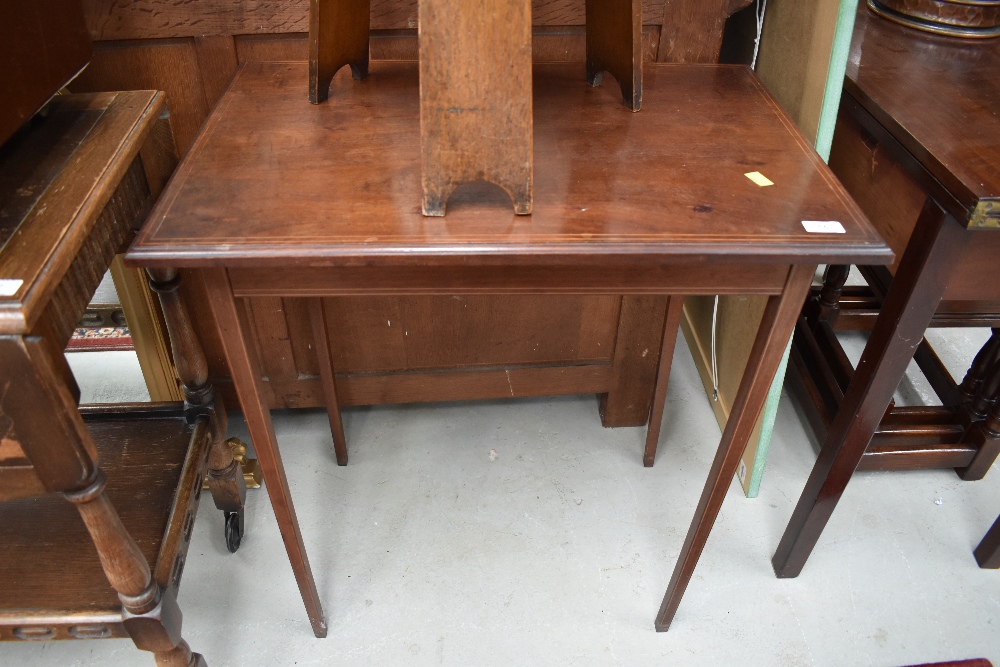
909, 306
988, 552
776, 325
475, 99
244, 367
338, 36
614, 45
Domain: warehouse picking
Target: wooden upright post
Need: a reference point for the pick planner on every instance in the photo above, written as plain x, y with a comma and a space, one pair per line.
475, 98
338, 36
614, 45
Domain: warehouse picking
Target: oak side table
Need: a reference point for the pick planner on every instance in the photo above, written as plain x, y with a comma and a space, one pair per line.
97, 503
282, 198
917, 145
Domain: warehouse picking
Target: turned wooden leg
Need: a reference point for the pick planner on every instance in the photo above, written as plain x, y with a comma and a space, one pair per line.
123, 562
987, 388
338, 36
768, 349
908, 308
151, 616
987, 357
225, 475
189, 358
180, 656
988, 552
985, 434
614, 45
244, 366
827, 304
981, 409
227, 485
675, 309
326, 372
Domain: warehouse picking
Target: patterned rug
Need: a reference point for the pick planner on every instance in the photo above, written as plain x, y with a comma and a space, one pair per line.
104, 339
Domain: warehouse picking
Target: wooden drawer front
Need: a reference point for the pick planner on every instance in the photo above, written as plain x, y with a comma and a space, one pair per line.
892, 199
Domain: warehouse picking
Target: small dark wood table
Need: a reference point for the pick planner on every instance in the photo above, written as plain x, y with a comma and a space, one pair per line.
282, 198
918, 146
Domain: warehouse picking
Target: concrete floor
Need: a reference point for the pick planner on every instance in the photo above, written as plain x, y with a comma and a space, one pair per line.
521, 532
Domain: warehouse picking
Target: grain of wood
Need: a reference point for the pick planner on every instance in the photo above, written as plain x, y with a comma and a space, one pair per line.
475, 99
692, 31
159, 19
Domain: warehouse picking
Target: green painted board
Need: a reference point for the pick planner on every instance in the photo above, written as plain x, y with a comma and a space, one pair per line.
802, 60
841, 44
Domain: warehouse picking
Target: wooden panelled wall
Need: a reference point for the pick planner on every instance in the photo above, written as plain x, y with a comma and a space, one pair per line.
388, 349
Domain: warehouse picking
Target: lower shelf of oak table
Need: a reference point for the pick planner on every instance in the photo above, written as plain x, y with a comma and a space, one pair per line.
154, 462
908, 438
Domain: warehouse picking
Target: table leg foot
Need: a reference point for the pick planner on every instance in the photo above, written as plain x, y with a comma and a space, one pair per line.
321, 342
988, 552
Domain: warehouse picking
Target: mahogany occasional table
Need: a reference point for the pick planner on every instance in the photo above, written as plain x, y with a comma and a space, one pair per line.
282, 198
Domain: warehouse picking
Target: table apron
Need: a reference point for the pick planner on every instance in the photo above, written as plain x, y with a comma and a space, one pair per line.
681, 278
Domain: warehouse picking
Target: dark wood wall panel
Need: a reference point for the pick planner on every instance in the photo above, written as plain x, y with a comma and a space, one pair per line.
159, 19
270, 48
170, 65
361, 333
639, 338
549, 45
191, 49
268, 319
456, 385
556, 44
692, 29
217, 62
399, 333
301, 337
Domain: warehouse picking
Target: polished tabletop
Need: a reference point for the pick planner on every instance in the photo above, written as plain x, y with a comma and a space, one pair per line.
938, 96
274, 181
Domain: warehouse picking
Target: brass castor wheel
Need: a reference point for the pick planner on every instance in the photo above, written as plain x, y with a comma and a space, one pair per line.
234, 530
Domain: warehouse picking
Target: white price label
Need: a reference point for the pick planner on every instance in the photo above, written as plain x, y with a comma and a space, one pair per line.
9, 286
823, 227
